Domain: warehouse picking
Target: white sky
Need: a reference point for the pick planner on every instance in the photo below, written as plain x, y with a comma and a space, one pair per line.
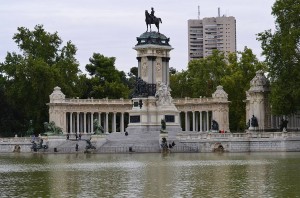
111, 27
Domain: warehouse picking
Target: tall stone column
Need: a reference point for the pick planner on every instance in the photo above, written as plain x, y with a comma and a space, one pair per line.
165, 72
99, 118
201, 121
122, 122
207, 120
114, 123
84, 122
186, 121
197, 122
180, 121
92, 122
106, 122
194, 121
88, 118
77, 117
71, 123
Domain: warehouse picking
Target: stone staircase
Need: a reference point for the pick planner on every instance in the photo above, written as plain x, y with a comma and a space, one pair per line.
140, 142
133, 142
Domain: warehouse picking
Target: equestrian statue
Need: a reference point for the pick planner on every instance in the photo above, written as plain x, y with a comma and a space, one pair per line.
152, 19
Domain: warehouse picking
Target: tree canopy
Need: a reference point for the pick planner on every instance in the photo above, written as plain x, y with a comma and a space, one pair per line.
29, 78
233, 72
106, 80
281, 49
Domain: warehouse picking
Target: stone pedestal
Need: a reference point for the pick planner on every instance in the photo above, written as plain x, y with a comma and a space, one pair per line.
257, 102
221, 112
146, 115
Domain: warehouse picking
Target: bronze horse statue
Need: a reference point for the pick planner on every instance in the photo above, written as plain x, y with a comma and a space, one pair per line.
152, 20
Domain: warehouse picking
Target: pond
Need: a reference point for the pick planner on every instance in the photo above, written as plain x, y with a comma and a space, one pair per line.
150, 175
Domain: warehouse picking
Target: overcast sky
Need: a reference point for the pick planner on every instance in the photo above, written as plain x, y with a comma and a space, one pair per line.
110, 27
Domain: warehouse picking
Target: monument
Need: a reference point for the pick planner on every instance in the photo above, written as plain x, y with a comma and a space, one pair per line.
152, 101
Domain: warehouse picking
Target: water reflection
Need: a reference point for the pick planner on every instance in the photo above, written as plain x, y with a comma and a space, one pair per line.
150, 175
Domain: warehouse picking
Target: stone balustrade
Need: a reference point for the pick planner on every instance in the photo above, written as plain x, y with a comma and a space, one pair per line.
188, 100
98, 101
232, 136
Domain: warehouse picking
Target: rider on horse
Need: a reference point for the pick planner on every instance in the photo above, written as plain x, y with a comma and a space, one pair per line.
152, 19
152, 14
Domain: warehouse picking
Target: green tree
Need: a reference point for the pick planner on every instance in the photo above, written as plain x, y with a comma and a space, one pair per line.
131, 79
233, 72
205, 74
240, 70
180, 85
31, 76
106, 80
281, 50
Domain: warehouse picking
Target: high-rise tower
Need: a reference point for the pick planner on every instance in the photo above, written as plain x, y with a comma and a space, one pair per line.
208, 34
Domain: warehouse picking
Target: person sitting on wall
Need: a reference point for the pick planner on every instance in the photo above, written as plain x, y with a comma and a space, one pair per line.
283, 124
215, 125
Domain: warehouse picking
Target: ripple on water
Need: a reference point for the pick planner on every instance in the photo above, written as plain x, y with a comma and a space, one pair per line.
148, 176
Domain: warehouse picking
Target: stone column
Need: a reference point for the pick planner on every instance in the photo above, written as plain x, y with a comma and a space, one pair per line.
151, 69
194, 122
80, 122
201, 129
139, 66
92, 122
77, 116
64, 122
71, 123
165, 70
204, 122
106, 122
84, 122
186, 121
197, 122
207, 120
180, 123
122, 122
88, 125
114, 122
99, 118
189, 121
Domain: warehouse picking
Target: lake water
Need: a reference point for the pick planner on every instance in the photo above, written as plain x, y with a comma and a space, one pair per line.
150, 175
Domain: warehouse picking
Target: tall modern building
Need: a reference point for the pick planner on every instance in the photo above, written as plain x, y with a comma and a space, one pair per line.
208, 34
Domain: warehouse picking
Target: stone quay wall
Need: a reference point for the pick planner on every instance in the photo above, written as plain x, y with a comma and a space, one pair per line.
244, 142
185, 142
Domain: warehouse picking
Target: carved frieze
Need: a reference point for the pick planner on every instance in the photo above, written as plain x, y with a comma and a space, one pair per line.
144, 68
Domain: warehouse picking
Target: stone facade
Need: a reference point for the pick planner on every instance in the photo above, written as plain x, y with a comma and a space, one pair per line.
76, 115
